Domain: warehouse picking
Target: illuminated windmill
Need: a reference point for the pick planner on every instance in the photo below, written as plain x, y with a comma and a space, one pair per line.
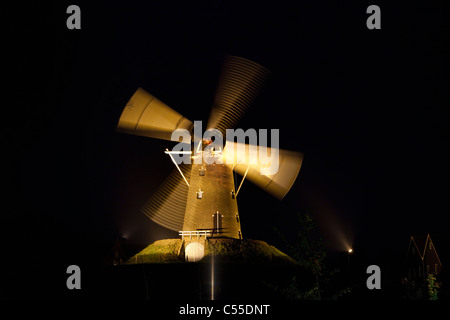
201, 198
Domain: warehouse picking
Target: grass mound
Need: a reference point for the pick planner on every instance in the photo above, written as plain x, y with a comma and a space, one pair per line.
161, 251
246, 251
227, 250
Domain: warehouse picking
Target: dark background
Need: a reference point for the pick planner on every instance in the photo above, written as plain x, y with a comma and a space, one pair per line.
369, 109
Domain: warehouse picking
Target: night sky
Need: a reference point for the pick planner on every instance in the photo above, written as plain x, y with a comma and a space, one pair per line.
368, 108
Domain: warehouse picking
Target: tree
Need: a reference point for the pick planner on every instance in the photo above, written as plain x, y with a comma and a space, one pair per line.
433, 287
307, 249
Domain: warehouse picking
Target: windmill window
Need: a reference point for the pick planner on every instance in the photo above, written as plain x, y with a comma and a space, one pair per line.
201, 172
431, 246
217, 222
199, 194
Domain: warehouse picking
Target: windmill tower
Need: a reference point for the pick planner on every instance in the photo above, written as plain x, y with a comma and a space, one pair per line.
200, 199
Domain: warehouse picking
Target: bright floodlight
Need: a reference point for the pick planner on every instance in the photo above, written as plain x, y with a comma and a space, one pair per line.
194, 252
350, 250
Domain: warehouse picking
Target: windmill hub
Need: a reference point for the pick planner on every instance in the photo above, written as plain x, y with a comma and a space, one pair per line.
210, 148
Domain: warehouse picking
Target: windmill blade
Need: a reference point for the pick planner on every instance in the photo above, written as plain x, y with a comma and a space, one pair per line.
238, 87
275, 179
167, 205
145, 115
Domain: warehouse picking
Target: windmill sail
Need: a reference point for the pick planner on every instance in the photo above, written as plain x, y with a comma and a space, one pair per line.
246, 161
147, 116
167, 205
240, 82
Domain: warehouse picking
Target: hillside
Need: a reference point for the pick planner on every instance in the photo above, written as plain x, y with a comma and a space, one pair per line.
227, 250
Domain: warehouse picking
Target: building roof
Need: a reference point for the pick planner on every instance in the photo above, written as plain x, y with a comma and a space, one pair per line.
421, 242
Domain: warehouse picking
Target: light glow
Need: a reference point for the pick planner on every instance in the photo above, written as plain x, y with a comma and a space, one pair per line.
249, 163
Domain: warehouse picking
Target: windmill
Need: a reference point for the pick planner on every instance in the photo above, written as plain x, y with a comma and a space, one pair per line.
201, 198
